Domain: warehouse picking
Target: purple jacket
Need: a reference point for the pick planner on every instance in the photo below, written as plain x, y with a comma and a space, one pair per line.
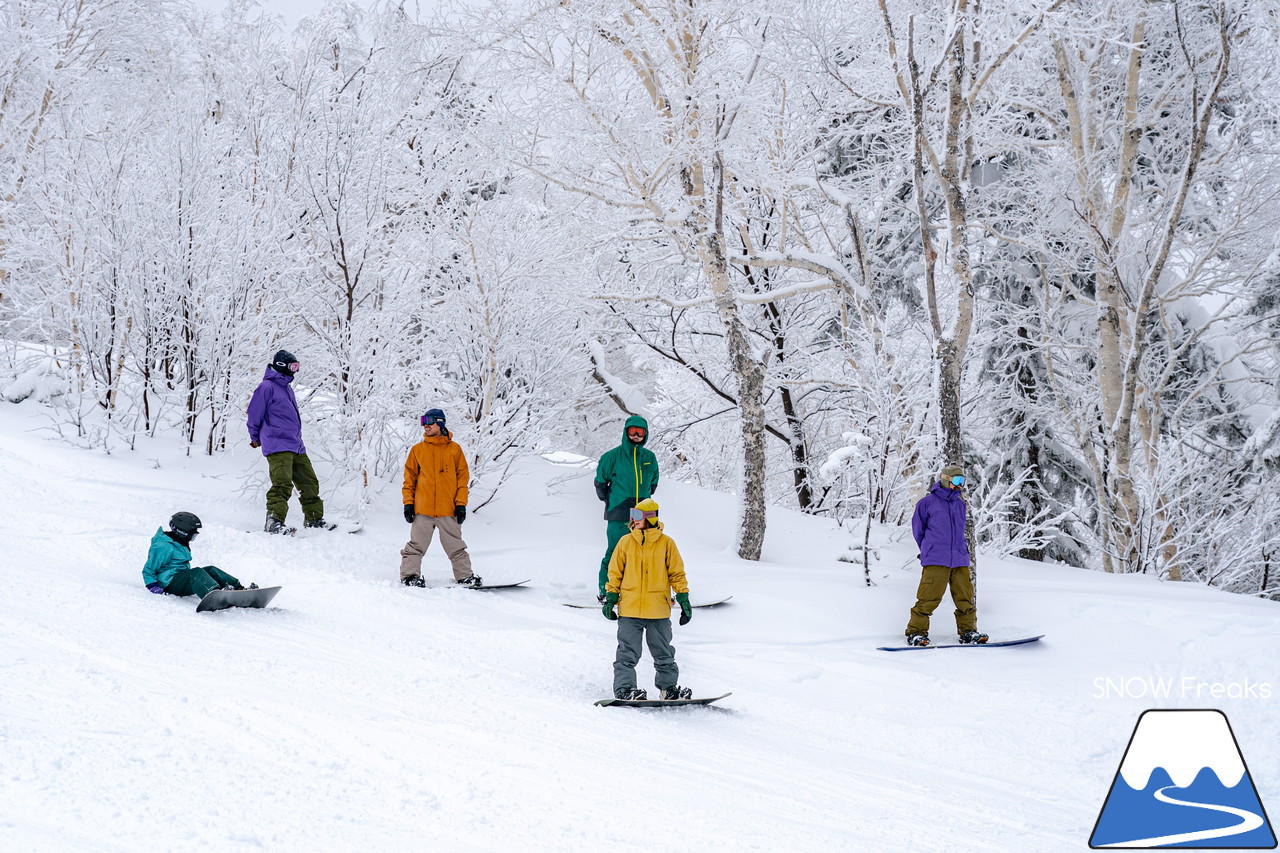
273, 415
938, 526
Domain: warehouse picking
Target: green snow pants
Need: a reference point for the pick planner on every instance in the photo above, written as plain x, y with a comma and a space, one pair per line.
199, 580
658, 634
615, 531
288, 470
934, 581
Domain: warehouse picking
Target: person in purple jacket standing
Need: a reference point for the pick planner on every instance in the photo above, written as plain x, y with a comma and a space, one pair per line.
276, 426
938, 526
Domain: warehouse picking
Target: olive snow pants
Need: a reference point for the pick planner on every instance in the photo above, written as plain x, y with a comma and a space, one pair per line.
290, 469
658, 634
199, 580
615, 531
934, 581
420, 539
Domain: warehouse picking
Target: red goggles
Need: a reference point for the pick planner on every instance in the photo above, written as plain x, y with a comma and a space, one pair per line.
636, 432
294, 367
643, 514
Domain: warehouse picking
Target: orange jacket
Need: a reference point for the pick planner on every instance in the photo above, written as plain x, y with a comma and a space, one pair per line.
646, 566
435, 476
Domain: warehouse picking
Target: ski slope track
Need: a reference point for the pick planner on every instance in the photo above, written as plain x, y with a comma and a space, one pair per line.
356, 714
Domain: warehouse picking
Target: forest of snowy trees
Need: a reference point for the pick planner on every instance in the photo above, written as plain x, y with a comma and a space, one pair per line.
824, 245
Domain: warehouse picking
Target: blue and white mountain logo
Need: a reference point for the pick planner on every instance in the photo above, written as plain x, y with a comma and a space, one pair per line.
1183, 783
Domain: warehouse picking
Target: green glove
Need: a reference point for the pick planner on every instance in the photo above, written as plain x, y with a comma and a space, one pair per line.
610, 602
686, 610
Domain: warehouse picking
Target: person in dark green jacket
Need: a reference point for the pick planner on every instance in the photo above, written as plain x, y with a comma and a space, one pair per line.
168, 569
625, 475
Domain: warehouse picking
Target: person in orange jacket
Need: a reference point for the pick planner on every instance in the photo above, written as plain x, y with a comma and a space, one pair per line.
645, 568
435, 499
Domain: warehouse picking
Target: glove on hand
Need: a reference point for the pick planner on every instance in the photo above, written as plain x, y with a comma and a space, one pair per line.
408, 513
610, 602
460, 513
255, 444
686, 611
155, 588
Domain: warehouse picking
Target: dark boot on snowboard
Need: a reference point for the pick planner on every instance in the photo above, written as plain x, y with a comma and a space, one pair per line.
970, 638
676, 692
278, 527
630, 693
414, 580
319, 523
917, 639
474, 580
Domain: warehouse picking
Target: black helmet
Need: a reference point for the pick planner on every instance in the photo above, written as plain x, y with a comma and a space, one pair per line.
185, 524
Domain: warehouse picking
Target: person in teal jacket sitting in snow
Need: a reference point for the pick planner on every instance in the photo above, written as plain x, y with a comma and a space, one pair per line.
168, 569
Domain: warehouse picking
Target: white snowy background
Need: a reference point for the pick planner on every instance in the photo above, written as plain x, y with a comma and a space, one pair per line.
358, 714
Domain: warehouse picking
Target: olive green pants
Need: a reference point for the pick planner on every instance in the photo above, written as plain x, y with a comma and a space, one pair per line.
934, 581
287, 471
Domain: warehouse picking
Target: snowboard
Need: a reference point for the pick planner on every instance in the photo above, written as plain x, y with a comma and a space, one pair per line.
597, 605
308, 532
497, 585
987, 645
658, 703
483, 587
221, 599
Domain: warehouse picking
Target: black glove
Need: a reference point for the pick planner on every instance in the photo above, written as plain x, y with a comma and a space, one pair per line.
686, 611
255, 444
408, 513
610, 602
460, 513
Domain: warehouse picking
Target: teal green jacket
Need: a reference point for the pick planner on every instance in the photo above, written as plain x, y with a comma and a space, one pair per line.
165, 559
627, 474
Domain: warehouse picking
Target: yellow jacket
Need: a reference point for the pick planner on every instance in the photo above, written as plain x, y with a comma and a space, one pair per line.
435, 476
645, 568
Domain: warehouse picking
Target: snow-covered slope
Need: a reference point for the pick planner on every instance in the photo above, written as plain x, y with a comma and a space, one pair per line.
357, 714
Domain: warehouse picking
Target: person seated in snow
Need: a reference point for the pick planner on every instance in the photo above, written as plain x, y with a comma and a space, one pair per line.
938, 526
645, 568
168, 569
435, 493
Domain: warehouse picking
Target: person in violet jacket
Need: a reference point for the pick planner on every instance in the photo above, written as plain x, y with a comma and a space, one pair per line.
938, 526
276, 426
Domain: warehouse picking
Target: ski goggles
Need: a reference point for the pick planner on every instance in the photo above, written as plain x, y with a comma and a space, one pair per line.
642, 514
428, 420
294, 366
957, 481
636, 432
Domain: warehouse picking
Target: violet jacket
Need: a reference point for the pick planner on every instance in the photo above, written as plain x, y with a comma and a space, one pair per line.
273, 415
938, 526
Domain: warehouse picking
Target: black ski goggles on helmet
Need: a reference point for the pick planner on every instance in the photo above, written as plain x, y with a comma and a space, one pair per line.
428, 420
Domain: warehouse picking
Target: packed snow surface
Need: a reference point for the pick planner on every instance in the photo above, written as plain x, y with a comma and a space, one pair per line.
356, 714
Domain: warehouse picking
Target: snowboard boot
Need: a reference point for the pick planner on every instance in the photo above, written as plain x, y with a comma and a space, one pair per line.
630, 693
474, 580
970, 638
676, 692
276, 526
414, 580
319, 523
917, 639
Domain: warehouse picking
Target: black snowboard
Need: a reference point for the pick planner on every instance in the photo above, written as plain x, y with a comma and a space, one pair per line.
658, 703
221, 599
597, 605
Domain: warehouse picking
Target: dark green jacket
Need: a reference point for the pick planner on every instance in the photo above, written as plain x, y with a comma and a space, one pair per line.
165, 559
627, 474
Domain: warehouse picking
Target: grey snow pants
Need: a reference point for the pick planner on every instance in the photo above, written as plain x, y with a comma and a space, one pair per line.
658, 634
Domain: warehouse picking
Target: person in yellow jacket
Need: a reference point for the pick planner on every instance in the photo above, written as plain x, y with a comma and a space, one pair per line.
644, 569
435, 499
